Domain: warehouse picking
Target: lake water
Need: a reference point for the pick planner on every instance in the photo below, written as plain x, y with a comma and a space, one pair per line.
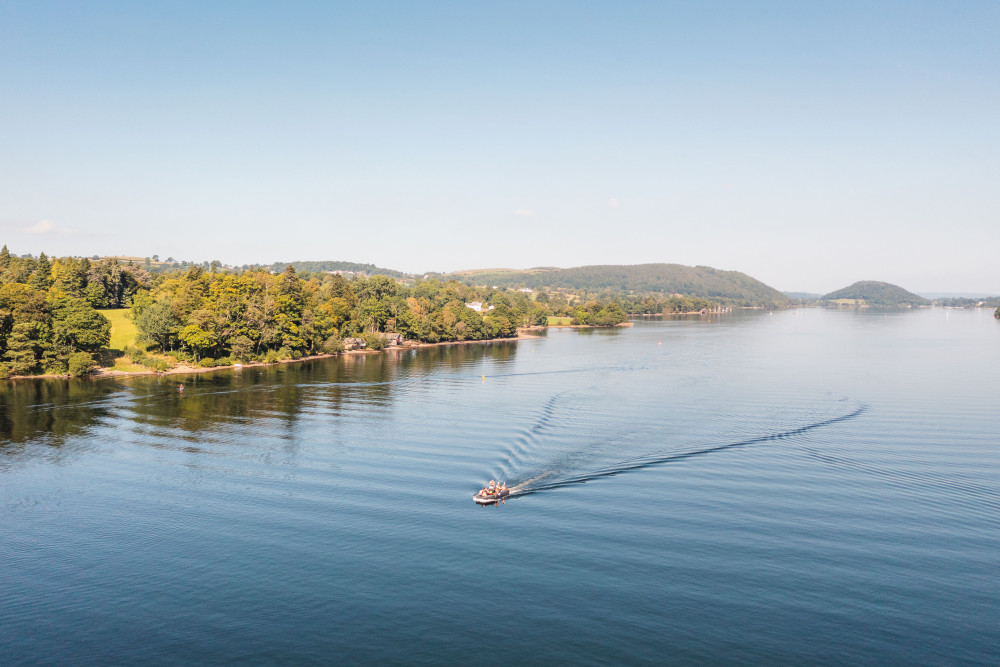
809, 486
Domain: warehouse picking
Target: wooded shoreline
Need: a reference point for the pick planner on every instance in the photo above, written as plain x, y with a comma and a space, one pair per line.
77, 317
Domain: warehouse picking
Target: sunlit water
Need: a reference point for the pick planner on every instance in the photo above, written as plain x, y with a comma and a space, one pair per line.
799, 487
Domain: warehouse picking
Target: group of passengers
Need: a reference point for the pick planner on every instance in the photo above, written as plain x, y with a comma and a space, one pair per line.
494, 488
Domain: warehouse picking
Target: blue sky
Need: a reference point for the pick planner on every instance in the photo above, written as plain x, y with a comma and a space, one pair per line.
807, 144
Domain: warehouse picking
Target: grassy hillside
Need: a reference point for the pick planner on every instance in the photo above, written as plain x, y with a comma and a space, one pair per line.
123, 331
730, 287
875, 293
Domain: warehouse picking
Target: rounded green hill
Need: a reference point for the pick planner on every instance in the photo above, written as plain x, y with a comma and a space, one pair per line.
875, 293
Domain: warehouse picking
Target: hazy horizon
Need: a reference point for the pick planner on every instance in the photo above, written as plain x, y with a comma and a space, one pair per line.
807, 146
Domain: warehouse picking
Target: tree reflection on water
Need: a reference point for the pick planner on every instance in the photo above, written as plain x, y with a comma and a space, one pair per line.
43, 414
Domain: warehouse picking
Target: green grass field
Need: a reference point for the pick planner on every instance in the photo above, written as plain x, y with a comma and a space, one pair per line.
560, 321
123, 331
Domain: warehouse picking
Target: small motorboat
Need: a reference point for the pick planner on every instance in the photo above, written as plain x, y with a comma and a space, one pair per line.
486, 497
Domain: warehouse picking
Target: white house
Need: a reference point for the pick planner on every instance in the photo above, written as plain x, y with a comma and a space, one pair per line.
477, 306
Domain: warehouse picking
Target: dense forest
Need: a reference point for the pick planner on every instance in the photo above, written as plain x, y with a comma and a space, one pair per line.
875, 293
730, 288
260, 315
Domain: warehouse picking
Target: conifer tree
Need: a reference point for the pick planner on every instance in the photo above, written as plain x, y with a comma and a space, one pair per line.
41, 277
23, 346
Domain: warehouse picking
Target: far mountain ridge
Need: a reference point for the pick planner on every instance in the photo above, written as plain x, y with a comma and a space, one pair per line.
729, 287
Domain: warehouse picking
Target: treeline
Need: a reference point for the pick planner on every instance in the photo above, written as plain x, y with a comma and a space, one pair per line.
964, 302
154, 264
49, 321
258, 315
669, 304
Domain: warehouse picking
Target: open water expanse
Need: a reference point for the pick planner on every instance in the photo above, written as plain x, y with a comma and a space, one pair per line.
809, 486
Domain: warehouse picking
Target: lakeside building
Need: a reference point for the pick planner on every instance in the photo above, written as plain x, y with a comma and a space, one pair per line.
477, 306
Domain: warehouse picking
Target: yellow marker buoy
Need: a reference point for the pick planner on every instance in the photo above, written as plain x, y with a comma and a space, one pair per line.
484, 379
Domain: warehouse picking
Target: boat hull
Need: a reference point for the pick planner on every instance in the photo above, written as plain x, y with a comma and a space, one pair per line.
491, 500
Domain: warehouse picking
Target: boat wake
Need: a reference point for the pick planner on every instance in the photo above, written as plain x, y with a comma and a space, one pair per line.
550, 480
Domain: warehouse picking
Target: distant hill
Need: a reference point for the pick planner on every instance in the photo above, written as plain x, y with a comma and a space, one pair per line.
802, 296
874, 293
730, 287
353, 267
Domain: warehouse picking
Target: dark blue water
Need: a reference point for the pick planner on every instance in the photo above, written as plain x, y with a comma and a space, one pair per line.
804, 487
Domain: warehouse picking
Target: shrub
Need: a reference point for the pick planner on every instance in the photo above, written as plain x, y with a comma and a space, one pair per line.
374, 341
81, 363
4, 371
333, 345
224, 361
159, 365
241, 348
271, 357
55, 367
207, 362
284, 353
136, 354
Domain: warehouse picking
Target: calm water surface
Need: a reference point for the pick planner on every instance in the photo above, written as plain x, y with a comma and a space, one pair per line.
810, 486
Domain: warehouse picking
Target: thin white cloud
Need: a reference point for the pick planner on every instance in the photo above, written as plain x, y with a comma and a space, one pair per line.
614, 203
41, 227
524, 213
47, 227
